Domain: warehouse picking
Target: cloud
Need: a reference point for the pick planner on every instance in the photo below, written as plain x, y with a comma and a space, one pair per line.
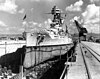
51, 0
13, 30
38, 27
48, 21
8, 6
72, 26
1, 1
33, 23
43, 0
27, 26
36, 0
32, 9
24, 22
76, 18
94, 28
92, 1
75, 7
91, 17
91, 12
21, 11
30, 25
2, 24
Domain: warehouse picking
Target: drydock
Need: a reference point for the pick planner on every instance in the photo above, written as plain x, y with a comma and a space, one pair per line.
51, 53
81, 61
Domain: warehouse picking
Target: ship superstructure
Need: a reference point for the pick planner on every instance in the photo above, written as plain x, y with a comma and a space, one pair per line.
56, 34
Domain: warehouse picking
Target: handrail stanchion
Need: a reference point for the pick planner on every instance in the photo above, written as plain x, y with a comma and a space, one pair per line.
65, 71
60, 52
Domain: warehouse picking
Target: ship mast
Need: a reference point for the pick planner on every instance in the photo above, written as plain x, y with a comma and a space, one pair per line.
58, 25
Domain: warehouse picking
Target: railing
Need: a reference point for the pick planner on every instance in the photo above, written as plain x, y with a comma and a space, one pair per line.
65, 71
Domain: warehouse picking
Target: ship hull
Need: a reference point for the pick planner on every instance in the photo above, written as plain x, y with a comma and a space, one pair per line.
47, 49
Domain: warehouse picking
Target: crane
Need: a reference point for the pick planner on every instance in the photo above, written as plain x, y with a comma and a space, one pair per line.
82, 31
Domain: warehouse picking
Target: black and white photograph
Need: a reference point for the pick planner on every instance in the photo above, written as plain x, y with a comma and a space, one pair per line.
49, 39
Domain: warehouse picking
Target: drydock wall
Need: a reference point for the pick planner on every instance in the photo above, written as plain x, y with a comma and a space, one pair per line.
14, 59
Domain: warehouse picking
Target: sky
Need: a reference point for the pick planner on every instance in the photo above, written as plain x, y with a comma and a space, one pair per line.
13, 11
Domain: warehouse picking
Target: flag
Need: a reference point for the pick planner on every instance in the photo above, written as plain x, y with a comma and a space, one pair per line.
24, 17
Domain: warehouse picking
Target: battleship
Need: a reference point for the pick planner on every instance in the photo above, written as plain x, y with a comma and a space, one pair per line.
56, 37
